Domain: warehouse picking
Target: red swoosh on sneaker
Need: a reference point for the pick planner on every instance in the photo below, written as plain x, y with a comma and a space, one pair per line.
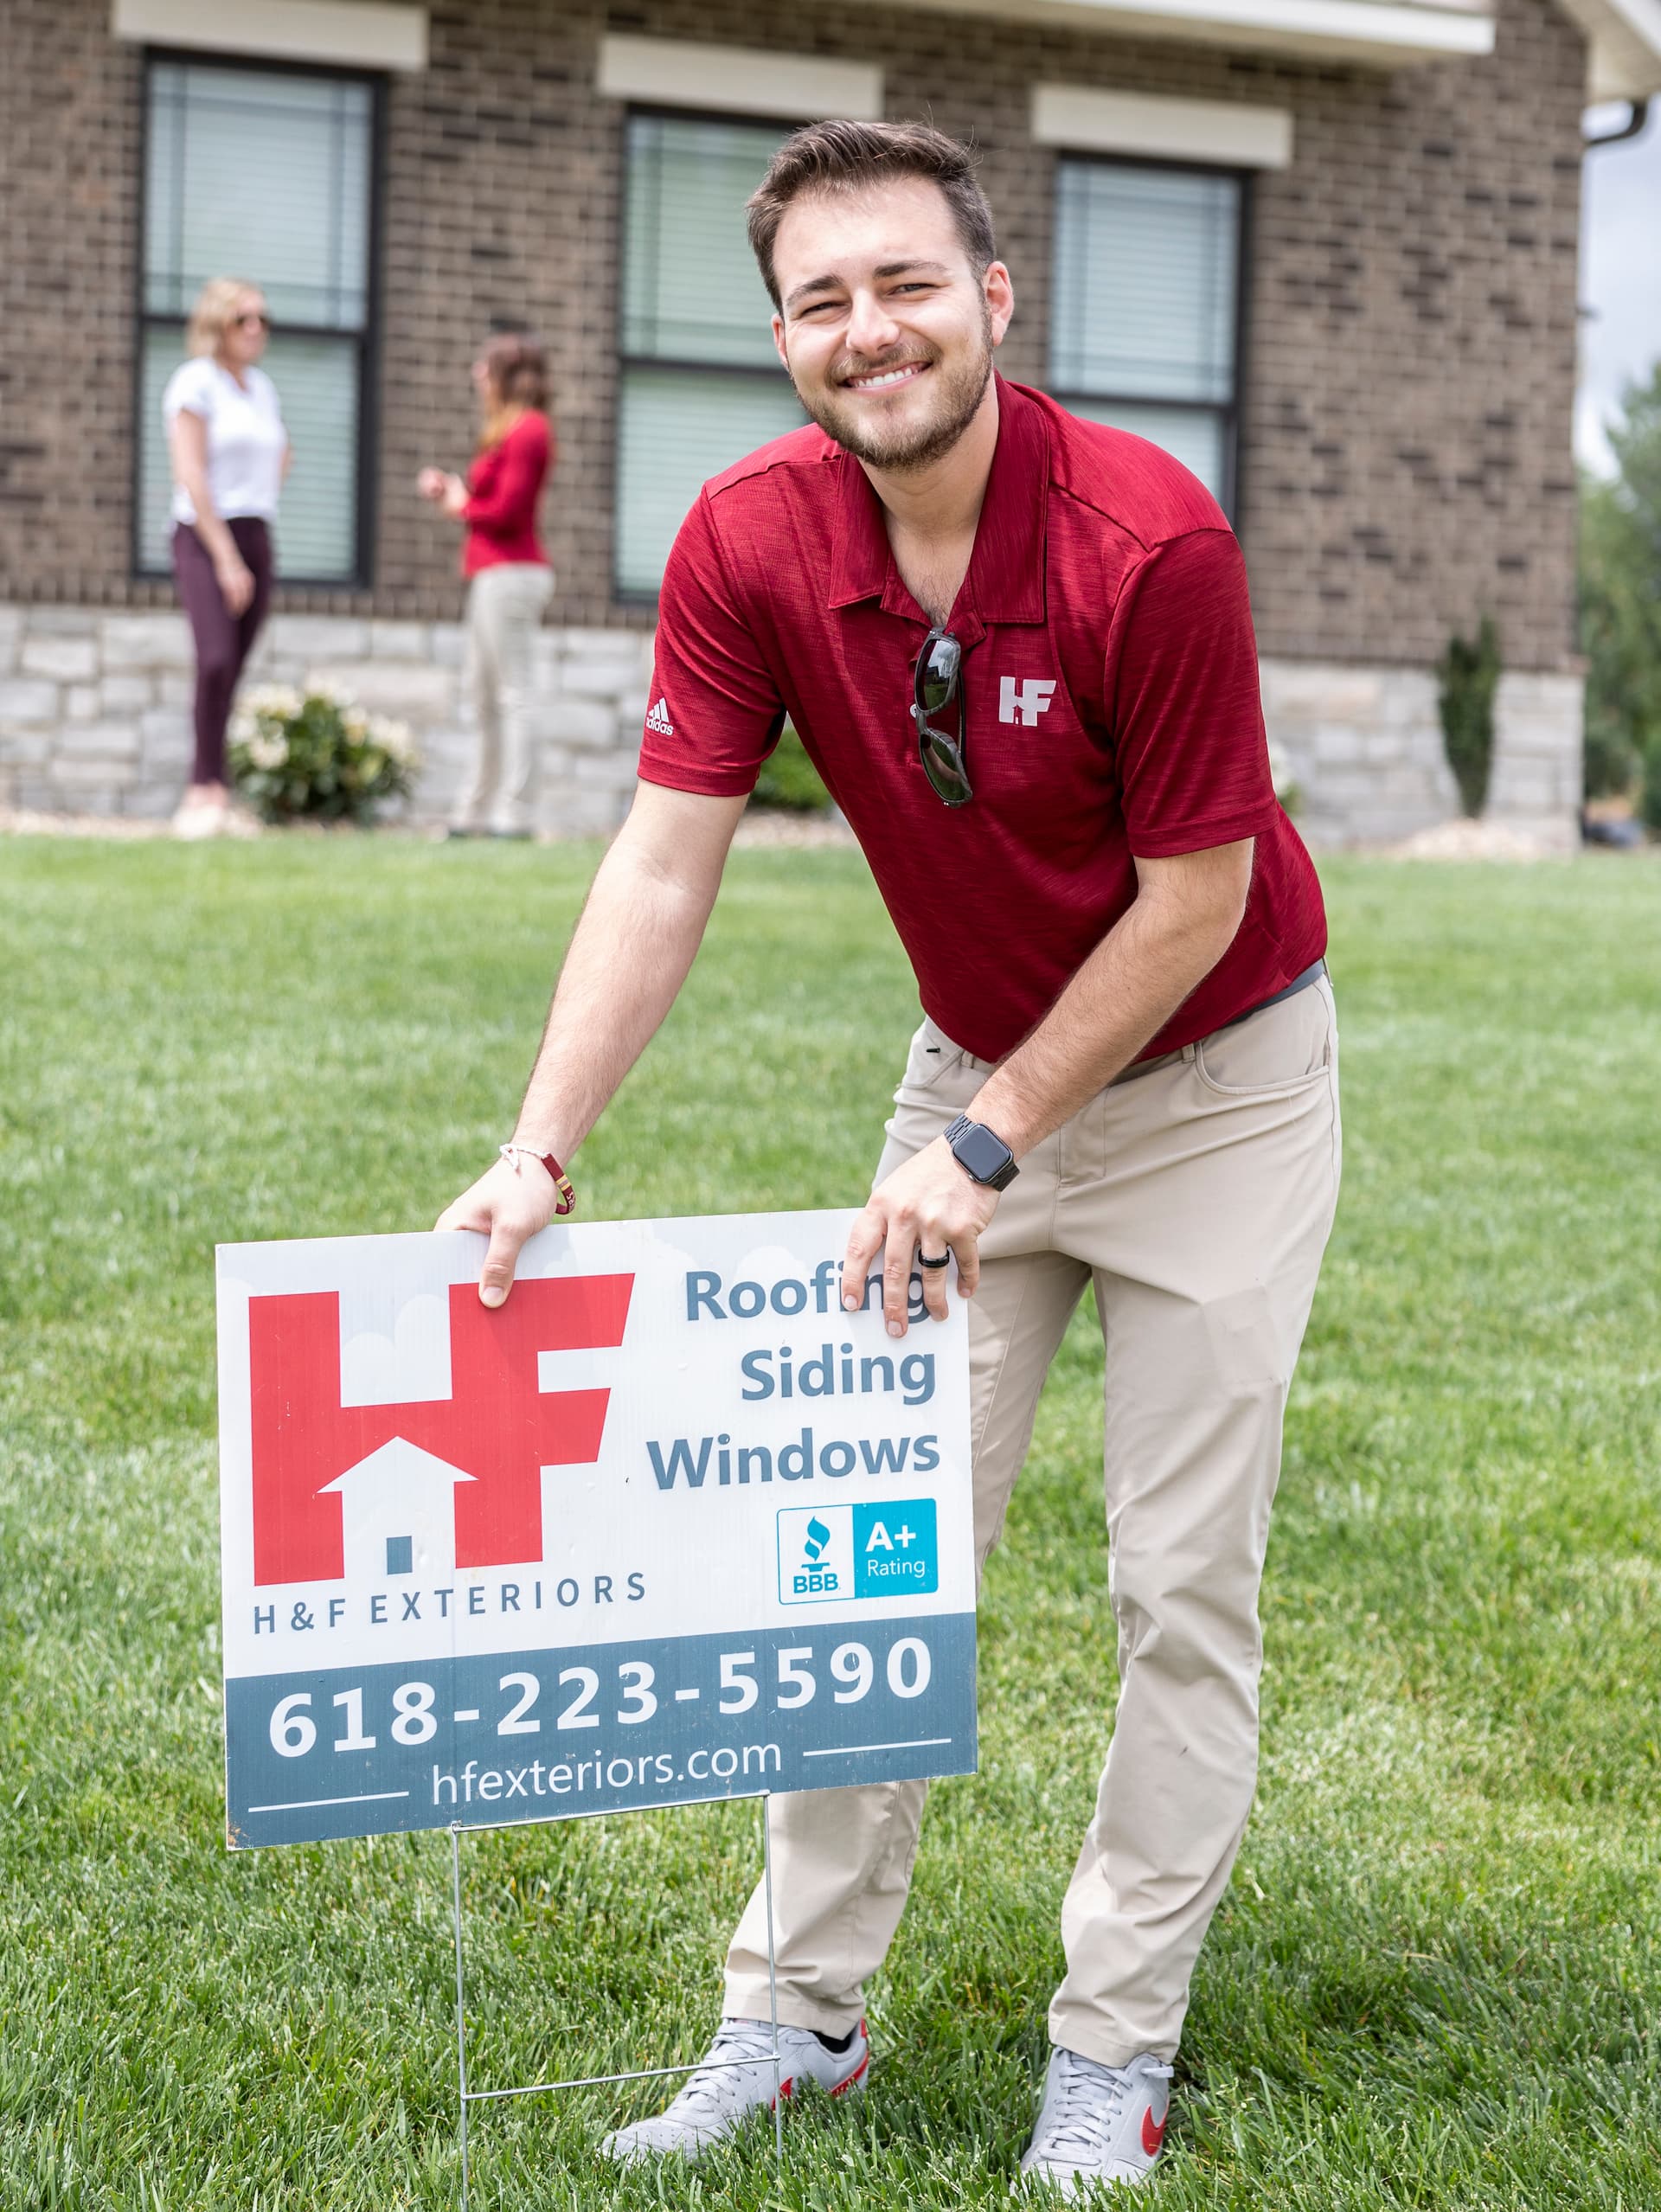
854, 2079
1153, 2132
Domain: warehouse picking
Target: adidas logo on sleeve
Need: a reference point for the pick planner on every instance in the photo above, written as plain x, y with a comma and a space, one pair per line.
658, 719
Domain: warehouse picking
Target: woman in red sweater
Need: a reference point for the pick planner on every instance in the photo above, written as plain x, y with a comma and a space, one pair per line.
510, 580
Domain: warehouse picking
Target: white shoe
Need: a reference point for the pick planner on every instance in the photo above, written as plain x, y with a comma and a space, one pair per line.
1097, 2125
722, 2094
200, 819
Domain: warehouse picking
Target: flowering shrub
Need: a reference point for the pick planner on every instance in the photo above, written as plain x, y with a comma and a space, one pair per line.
313, 756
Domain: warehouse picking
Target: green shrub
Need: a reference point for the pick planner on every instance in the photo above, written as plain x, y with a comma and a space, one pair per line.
788, 779
1469, 676
1611, 764
312, 756
1649, 805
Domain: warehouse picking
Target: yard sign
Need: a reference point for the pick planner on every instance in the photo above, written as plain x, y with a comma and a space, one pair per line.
669, 1525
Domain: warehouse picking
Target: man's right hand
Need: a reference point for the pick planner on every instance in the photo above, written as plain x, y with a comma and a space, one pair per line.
508, 1206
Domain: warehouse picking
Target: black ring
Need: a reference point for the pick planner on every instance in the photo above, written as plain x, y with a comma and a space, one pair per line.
944, 1260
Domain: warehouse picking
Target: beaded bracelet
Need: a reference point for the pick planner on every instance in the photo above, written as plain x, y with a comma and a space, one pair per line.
514, 1153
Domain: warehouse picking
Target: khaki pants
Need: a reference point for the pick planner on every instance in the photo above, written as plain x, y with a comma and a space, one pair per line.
505, 607
1197, 1196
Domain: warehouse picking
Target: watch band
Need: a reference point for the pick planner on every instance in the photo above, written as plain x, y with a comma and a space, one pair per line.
981, 1153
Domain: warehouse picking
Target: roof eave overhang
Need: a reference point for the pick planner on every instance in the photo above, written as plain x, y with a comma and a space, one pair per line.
1625, 40
1371, 34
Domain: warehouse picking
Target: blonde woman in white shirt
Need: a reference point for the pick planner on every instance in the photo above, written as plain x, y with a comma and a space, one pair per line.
230, 454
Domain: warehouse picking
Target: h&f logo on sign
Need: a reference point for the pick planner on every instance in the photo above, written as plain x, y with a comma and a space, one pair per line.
497, 1427
1023, 702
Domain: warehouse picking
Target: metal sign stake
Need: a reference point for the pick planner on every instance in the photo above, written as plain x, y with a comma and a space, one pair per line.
466, 2096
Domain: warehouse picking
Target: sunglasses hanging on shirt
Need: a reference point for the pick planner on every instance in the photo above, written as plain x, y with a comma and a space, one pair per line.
937, 693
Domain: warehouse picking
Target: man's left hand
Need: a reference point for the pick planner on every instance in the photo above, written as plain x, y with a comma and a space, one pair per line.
928, 1205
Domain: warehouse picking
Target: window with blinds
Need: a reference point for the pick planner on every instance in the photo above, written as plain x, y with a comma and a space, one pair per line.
1144, 306
267, 174
700, 383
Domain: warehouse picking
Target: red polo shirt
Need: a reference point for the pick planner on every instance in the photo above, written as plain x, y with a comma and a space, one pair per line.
1110, 682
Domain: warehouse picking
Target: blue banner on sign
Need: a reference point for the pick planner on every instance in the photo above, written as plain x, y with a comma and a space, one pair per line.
610, 1727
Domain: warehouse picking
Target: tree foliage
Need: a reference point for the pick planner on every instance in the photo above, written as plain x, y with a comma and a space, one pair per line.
1621, 607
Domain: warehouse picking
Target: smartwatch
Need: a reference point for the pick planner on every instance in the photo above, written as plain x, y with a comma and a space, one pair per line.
983, 1156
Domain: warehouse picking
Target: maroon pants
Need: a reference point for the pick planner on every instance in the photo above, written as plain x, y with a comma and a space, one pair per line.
224, 640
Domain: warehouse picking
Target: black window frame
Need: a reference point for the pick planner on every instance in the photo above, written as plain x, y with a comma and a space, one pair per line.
366, 342
658, 111
1228, 494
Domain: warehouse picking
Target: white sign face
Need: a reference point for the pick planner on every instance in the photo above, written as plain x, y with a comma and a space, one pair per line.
668, 1525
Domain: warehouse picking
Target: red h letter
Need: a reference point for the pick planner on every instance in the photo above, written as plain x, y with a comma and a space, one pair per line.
496, 1426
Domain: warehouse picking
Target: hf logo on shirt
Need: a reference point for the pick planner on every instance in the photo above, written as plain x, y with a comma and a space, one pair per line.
1024, 701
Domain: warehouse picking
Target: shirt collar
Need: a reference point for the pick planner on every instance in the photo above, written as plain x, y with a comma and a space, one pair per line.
1005, 581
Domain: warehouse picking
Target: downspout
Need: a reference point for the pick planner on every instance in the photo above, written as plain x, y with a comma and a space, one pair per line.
1638, 115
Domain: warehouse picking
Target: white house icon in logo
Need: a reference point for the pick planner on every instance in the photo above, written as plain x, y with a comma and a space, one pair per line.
398, 1513
1023, 702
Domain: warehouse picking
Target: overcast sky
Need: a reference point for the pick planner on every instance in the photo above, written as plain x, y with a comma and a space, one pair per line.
1620, 277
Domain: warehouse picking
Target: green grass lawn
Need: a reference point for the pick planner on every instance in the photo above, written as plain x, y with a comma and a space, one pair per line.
1435, 1980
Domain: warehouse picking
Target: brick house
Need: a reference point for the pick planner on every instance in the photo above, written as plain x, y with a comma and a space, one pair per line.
1325, 250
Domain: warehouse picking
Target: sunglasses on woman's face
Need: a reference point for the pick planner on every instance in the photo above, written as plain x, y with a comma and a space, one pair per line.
937, 691
253, 322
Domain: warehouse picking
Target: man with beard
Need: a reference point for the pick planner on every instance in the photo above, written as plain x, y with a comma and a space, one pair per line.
1018, 647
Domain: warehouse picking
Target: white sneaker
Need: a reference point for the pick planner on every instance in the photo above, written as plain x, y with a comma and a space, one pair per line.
1098, 2124
200, 818
721, 2096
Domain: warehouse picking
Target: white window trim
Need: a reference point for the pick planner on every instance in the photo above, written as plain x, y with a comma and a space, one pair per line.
737, 80
348, 34
1223, 133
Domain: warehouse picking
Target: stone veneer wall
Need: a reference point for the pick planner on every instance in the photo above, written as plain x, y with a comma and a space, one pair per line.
95, 707
1365, 747
95, 719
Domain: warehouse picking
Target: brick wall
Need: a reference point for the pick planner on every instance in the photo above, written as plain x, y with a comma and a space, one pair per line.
69, 139
1410, 365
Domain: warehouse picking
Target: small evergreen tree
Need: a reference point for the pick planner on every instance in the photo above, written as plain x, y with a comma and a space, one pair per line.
1469, 677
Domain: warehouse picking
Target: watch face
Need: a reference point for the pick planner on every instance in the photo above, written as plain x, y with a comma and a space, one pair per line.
983, 1154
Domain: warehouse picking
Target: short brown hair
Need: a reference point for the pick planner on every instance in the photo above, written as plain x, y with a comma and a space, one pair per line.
842, 157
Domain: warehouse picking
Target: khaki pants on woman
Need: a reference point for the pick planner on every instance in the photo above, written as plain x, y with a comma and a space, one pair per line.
505, 608
1197, 1196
